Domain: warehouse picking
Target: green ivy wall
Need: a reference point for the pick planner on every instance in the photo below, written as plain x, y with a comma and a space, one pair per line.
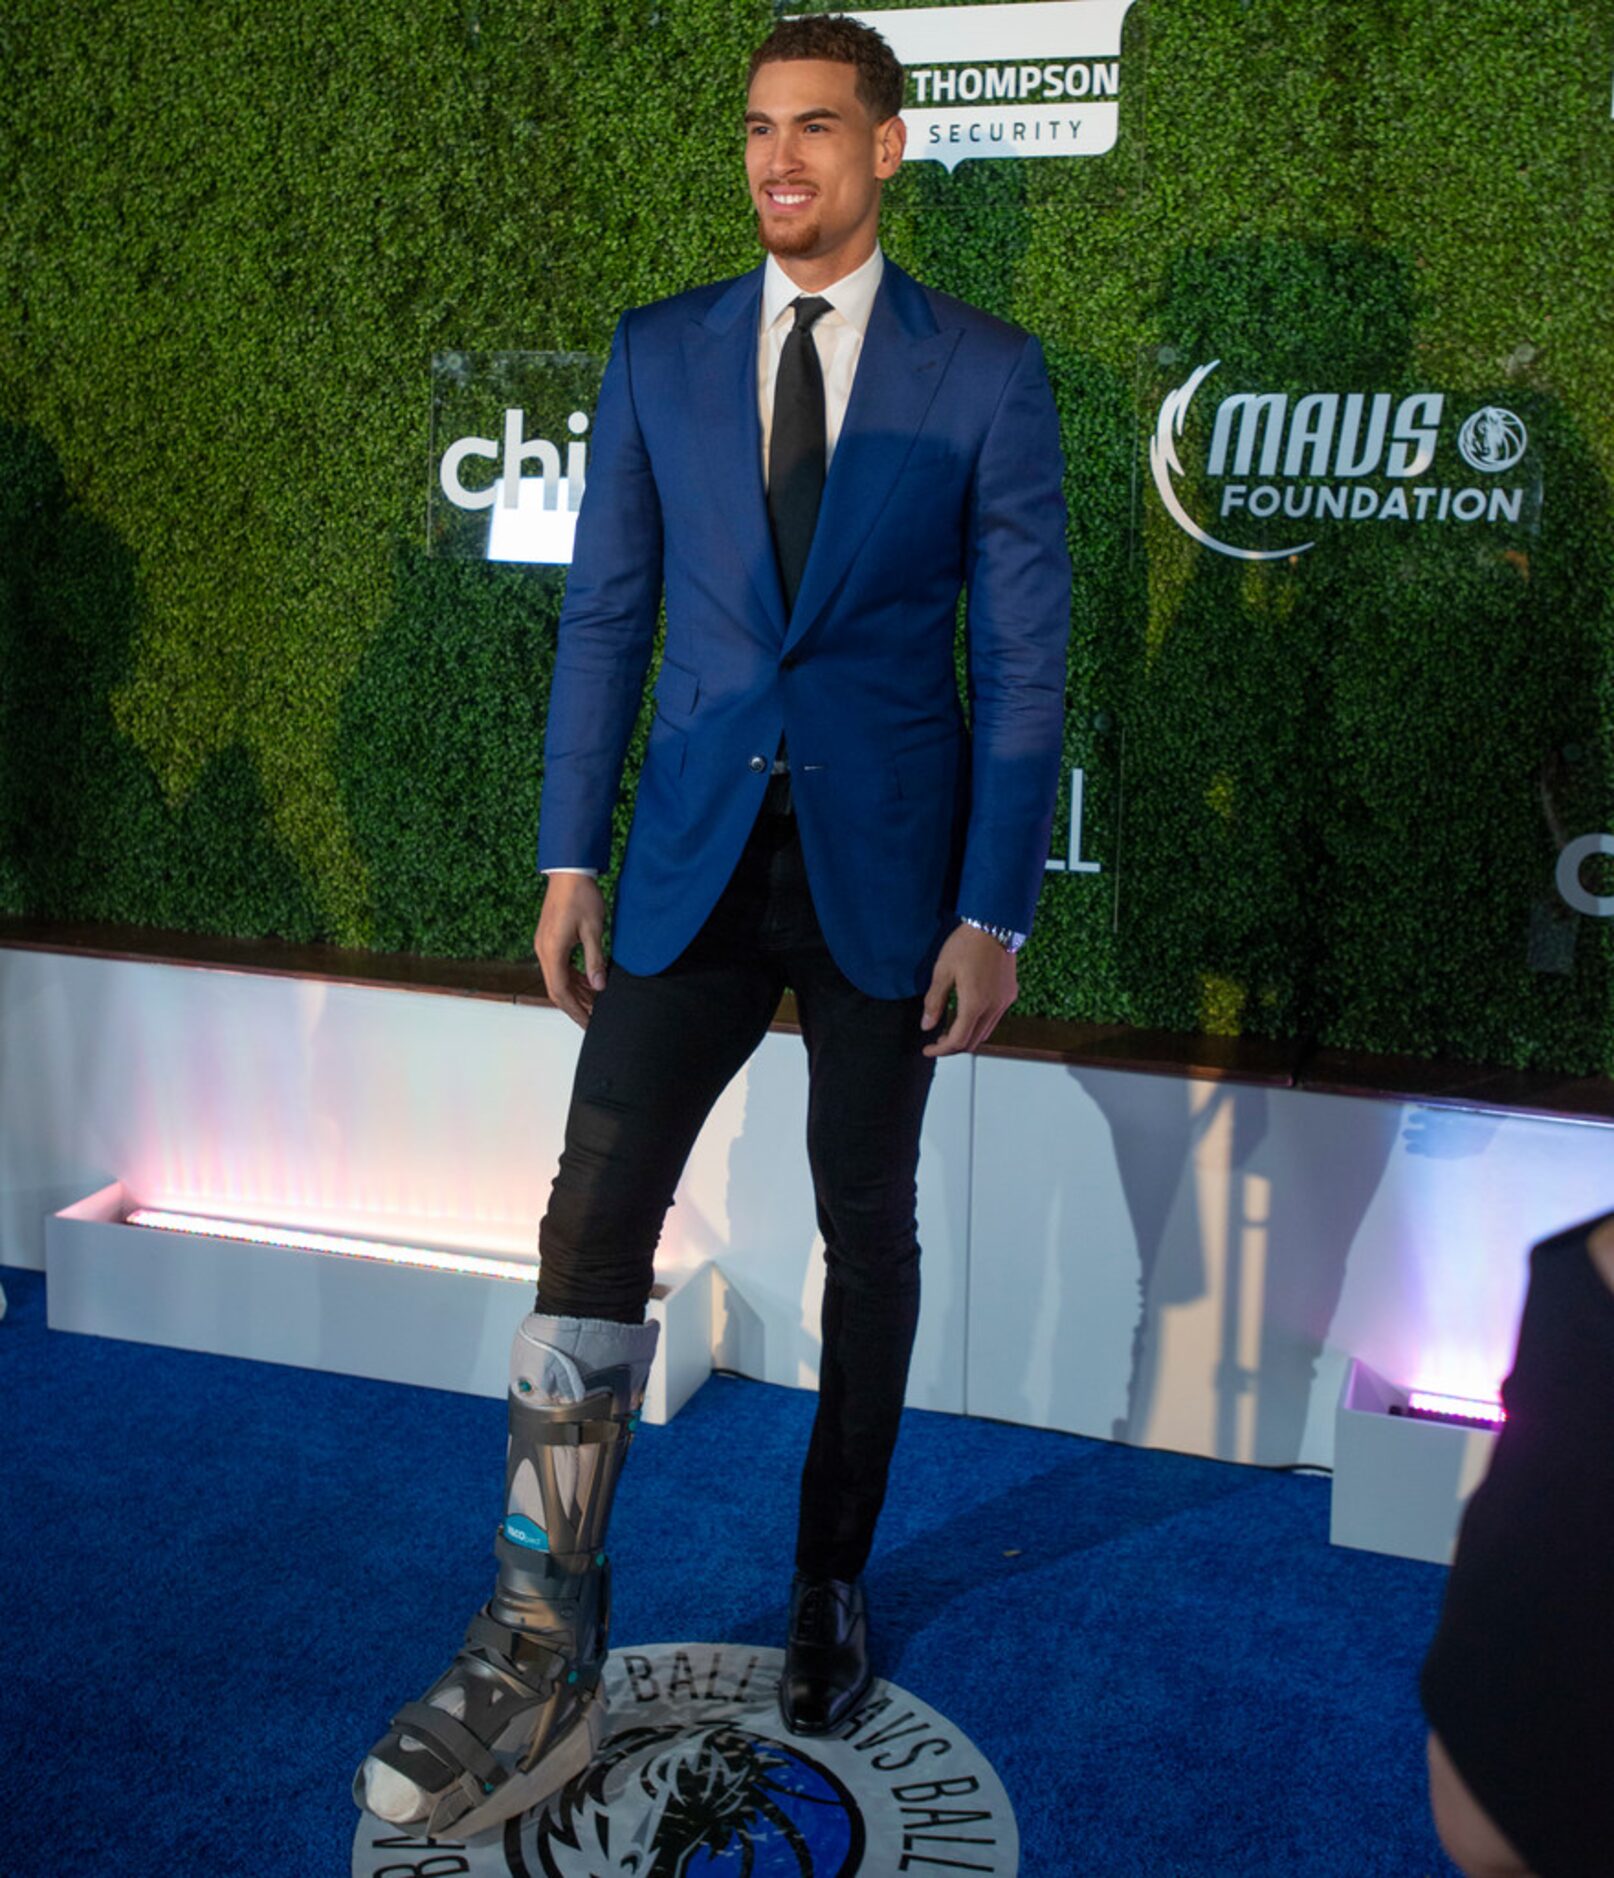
1327, 796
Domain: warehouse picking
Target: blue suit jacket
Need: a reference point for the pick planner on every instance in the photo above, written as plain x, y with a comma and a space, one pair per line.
946, 473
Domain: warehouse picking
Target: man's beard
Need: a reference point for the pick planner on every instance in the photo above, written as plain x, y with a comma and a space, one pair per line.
789, 235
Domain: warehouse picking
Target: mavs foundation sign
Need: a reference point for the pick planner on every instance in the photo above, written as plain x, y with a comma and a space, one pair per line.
698, 1777
1029, 78
1267, 470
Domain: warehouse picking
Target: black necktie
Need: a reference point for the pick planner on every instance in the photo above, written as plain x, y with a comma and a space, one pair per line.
796, 452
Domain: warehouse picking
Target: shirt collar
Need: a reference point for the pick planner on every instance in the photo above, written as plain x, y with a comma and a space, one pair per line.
852, 296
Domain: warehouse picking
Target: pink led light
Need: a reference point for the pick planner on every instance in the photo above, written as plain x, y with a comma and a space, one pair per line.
337, 1243
1427, 1402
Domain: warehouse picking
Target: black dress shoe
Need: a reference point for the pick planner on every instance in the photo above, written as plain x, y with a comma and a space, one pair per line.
826, 1668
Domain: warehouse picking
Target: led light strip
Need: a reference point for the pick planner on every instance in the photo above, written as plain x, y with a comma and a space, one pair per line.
1425, 1402
338, 1243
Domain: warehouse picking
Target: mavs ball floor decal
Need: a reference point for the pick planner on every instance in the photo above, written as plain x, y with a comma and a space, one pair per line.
698, 1777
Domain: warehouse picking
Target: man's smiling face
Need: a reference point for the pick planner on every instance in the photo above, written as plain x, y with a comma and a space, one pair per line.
815, 160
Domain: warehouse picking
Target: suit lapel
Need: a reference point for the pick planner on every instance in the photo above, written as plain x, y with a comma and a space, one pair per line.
903, 360
720, 353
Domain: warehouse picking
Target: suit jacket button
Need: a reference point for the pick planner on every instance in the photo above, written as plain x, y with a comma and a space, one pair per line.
788, 662
759, 762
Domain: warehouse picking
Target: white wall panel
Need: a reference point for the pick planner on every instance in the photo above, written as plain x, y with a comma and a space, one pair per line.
386, 1113
1190, 1264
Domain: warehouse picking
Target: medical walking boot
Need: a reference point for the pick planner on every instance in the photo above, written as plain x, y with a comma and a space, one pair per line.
520, 1710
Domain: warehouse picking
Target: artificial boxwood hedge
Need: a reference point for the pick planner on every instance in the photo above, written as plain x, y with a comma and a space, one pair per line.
1327, 796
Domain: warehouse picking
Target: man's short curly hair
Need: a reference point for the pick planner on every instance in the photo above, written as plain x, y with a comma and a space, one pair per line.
880, 77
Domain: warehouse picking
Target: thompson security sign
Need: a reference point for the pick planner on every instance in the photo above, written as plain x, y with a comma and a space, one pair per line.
1286, 464
1032, 78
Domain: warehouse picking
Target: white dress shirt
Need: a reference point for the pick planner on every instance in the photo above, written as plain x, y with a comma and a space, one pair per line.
838, 335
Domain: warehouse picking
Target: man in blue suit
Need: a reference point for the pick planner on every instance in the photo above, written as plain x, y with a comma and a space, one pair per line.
808, 463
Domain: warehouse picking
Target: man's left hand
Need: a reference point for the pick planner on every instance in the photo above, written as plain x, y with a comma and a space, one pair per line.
987, 981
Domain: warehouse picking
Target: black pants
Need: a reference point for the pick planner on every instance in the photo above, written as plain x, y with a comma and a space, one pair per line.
657, 1053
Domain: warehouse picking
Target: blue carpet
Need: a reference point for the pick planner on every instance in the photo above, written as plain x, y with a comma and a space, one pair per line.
221, 1577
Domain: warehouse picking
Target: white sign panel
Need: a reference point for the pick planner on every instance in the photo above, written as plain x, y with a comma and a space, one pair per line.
510, 434
1032, 78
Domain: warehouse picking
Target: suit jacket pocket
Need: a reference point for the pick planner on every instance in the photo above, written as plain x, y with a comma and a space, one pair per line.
923, 774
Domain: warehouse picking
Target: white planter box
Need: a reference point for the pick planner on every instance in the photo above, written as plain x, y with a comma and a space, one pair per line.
1400, 1485
322, 1310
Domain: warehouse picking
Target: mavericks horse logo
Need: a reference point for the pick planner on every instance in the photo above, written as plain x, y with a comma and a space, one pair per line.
1492, 439
672, 1801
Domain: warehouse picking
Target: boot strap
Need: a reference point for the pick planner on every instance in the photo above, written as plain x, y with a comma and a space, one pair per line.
558, 1568
536, 1426
574, 1515
487, 1633
458, 1746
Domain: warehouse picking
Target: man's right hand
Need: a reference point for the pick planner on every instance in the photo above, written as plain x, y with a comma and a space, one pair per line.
573, 915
